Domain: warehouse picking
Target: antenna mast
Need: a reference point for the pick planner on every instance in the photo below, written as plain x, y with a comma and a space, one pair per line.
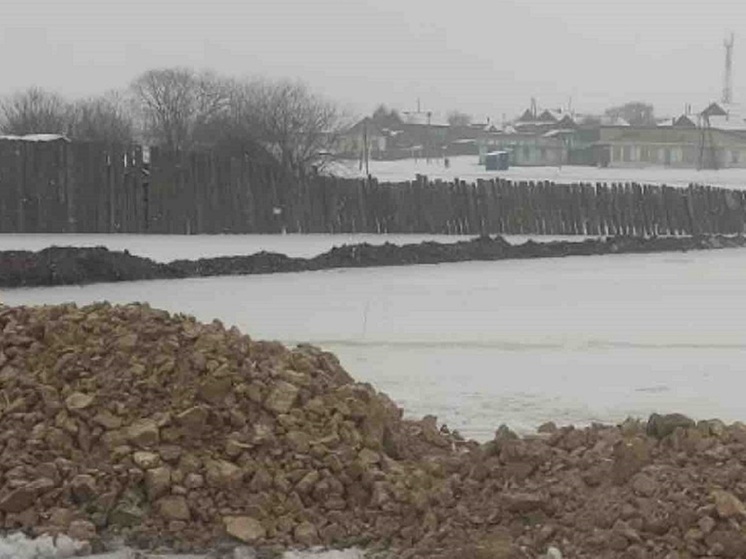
728, 78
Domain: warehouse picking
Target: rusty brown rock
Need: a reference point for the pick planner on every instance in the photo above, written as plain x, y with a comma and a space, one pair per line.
728, 505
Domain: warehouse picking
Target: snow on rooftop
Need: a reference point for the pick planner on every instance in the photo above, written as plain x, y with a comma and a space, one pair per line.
35, 138
423, 119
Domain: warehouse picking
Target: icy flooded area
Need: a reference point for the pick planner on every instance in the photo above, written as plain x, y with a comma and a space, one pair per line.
467, 168
572, 340
165, 248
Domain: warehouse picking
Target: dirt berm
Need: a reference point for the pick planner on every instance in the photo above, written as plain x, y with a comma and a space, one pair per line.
71, 265
128, 422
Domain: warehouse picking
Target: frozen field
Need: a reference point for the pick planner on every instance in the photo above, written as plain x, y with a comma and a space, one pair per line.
467, 168
164, 248
572, 340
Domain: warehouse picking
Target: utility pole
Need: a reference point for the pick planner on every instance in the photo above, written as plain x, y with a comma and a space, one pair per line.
429, 136
728, 77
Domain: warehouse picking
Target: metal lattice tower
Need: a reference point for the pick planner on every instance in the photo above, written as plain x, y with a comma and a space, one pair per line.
728, 78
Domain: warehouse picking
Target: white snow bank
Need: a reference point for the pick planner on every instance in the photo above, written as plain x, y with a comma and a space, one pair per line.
35, 138
18, 546
321, 554
467, 168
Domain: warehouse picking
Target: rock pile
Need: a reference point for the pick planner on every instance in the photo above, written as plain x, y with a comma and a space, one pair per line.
130, 422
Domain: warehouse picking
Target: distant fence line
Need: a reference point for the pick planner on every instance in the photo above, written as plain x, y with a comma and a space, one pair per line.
63, 187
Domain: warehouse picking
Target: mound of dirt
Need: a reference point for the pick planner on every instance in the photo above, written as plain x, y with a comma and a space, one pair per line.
74, 266
71, 265
127, 422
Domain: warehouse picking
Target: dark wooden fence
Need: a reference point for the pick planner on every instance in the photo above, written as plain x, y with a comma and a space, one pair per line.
51, 187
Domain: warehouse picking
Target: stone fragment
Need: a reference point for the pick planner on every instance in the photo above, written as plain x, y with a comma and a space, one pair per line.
174, 507
223, 474
146, 460
78, 401
81, 530
629, 457
282, 397
144, 433
306, 534
83, 488
248, 530
157, 482
661, 426
728, 505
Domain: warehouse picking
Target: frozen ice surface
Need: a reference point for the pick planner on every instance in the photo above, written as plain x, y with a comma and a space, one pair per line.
573, 340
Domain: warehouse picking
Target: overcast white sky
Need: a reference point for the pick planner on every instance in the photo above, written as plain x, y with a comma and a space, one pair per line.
486, 57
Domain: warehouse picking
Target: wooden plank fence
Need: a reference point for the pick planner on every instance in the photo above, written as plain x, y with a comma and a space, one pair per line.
63, 187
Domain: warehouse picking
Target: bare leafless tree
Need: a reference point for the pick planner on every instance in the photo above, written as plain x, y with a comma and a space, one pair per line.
34, 111
175, 104
102, 119
296, 125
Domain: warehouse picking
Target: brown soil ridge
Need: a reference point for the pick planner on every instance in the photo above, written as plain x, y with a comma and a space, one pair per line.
78, 265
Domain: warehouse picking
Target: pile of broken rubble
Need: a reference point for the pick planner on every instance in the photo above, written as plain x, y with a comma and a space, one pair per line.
127, 422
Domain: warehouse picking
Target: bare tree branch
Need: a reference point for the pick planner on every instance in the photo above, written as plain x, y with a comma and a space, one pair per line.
35, 111
102, 119
175, 103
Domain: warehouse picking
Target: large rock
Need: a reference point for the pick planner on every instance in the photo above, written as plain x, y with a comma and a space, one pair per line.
282, 397
728, 505
193, 418
144, 433
126, 514
17, 500
158, 482
78, 401
245, 528
82, 530
661, 426
629, 457
524, 502
146, 460
224, 474
83, 488
215, 390
174, 507
306, 533
497, 544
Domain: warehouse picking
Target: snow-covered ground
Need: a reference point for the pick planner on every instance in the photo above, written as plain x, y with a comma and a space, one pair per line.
18, 546
467, 168
164, 248
572, 340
